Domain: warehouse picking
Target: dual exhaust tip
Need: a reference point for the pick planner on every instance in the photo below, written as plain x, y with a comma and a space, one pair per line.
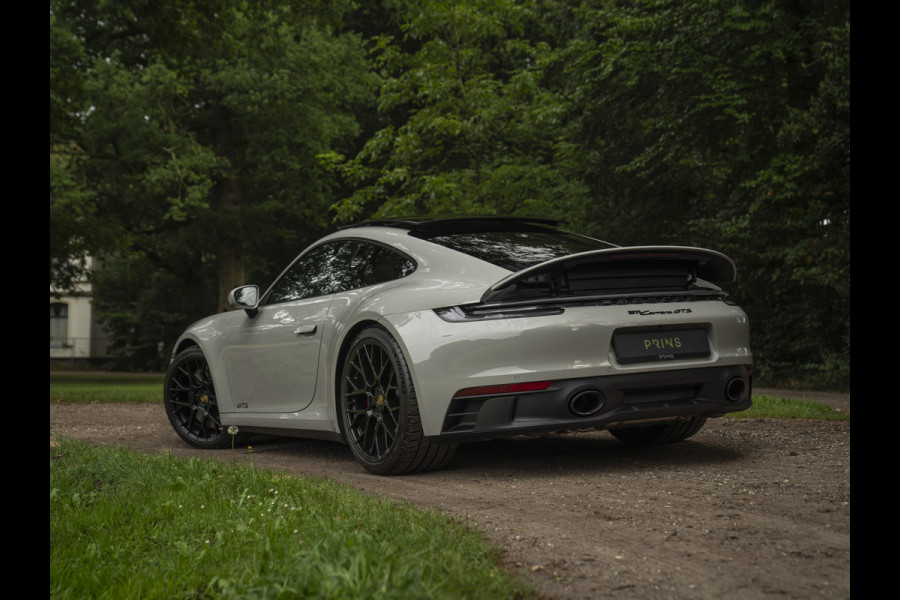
588, 402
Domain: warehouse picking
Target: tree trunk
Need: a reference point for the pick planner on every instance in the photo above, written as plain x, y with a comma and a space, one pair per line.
230, 269
227, 201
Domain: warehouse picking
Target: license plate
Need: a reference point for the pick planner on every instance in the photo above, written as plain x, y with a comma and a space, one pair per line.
654, 346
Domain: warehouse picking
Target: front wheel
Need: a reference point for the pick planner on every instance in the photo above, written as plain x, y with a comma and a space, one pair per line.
190, 399
380, 412
664, 433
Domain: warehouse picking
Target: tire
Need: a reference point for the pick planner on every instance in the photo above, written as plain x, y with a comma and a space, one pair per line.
379, 410
190, 399
665, 433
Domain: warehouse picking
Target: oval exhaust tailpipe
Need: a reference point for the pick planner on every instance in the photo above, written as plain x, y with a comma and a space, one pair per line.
585, 403
734, 389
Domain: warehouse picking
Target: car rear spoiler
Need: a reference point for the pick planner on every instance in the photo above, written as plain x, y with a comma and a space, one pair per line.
630, 269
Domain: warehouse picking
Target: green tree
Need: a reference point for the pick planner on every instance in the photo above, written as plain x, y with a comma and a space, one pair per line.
798, 226
727, 125
656, 121
194, 133
468, 126
189, 142
71, 202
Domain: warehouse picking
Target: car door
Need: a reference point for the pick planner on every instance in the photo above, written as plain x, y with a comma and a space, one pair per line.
273, 357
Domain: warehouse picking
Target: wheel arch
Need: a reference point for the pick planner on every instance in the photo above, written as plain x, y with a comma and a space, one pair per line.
183, 345
191, 400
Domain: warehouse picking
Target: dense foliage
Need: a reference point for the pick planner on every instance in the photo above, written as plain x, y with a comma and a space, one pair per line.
186, 148
196, 146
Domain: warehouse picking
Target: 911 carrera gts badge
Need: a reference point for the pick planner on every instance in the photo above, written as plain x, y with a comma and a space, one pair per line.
644, 313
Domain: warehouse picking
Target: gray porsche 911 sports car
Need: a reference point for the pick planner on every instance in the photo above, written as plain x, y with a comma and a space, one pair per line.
404, 337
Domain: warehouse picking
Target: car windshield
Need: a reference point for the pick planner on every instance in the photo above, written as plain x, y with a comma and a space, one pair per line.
515, 249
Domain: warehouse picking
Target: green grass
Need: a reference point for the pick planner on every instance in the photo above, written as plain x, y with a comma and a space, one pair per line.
74, 387
132, 525
767, 407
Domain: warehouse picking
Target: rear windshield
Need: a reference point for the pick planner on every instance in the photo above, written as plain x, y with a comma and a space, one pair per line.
515, 249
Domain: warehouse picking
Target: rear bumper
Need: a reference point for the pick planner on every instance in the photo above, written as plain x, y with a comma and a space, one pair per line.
600, 402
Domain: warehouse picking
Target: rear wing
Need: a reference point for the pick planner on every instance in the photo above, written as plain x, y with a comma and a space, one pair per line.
615, 271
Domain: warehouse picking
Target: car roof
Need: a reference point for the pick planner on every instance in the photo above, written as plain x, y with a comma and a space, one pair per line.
442, 223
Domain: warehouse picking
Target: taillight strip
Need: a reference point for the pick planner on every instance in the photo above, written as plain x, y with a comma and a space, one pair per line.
507, 388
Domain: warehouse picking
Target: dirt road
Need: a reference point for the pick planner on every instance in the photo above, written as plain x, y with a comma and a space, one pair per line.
745, 509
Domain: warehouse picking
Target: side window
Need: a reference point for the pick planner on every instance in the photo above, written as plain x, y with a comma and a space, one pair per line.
317, 273
375, 264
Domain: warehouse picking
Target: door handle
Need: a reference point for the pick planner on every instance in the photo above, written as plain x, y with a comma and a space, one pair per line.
305, 330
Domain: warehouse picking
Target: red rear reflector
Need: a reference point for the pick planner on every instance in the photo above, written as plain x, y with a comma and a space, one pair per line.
509, 388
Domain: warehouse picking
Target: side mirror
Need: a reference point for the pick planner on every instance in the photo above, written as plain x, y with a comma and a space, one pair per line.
245, 297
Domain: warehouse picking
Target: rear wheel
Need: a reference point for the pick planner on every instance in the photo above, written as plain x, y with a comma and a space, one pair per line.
191, 404
664, 433
380, 412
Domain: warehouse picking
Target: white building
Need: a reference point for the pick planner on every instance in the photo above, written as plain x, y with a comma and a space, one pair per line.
74, 331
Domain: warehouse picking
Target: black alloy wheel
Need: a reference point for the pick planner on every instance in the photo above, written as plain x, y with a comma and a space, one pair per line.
190, 399
380, 412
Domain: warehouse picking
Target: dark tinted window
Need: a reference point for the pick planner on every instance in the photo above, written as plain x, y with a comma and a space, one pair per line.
338, 266
515, 249
318, 272
376, 264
